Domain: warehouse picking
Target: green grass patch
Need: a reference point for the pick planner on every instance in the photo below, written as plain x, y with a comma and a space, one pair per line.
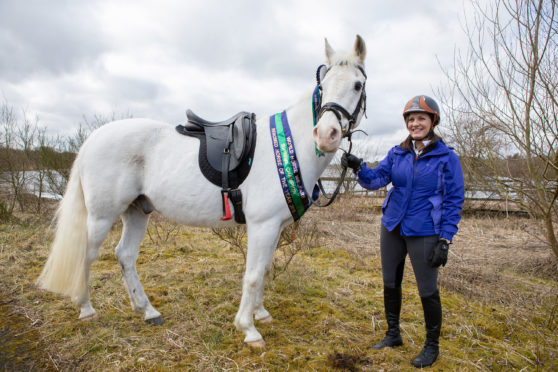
327, 305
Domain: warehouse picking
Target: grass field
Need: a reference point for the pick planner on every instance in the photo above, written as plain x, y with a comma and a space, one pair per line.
499, 297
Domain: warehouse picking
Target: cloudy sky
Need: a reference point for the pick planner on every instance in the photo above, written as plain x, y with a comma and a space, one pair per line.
64, 60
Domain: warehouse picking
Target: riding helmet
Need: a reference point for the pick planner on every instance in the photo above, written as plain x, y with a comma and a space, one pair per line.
423, 104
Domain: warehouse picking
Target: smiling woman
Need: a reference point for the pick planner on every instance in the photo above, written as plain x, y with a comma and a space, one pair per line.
419, 126
421, 114
420, 217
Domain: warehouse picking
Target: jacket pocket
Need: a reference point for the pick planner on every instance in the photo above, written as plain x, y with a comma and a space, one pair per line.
386, 200
436, 212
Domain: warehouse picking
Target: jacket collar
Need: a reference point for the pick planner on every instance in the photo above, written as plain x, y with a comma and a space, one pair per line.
433, 149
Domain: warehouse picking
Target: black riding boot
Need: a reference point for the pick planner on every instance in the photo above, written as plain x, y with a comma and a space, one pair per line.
392, 305
433, 321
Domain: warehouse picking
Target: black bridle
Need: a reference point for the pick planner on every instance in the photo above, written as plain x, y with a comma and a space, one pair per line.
338, 110
347, 131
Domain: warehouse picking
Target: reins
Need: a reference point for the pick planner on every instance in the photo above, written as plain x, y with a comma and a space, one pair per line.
320, 188
338, 111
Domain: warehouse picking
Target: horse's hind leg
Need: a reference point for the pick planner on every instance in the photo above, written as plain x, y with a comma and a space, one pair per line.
97, 230
135, 224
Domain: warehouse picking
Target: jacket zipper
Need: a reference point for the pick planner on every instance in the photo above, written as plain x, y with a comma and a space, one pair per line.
415, 158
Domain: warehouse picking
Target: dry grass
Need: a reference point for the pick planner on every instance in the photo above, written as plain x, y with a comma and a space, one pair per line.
499, 294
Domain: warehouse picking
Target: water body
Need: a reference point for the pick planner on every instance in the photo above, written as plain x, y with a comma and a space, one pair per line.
51, 188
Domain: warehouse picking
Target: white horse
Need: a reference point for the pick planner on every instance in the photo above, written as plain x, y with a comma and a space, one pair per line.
127, 158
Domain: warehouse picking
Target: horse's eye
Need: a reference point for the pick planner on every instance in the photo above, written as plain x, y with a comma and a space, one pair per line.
358, 86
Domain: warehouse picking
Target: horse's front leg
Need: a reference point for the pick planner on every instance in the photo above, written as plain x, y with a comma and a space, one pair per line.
262, 240
260, 313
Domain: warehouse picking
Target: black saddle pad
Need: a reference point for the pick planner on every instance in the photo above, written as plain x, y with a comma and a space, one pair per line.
236, 176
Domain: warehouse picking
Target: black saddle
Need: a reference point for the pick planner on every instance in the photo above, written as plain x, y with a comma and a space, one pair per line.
234, 134
226, 152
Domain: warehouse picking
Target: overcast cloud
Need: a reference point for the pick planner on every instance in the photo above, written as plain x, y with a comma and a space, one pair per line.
63, 60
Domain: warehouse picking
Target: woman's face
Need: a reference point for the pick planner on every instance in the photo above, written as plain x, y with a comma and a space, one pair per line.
419, 124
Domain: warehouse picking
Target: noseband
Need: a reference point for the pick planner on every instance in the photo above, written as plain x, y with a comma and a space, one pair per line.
338, 110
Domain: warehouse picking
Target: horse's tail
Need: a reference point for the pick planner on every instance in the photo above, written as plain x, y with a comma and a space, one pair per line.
65, 270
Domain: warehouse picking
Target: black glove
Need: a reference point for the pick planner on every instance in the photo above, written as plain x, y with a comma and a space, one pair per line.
439, 255
351, 161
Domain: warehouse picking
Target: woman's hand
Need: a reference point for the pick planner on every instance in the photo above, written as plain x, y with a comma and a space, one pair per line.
351, 161
439, 255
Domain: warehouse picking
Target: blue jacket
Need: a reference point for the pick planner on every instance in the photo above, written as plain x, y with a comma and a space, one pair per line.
427, 193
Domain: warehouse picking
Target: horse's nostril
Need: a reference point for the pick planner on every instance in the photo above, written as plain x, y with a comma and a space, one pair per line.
333, 134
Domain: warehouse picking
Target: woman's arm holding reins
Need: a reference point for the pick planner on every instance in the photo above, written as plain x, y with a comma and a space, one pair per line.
378, 177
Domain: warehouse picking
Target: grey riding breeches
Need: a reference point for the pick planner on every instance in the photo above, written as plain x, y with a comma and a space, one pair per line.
394, 249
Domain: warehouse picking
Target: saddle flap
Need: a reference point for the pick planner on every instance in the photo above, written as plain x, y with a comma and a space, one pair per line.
216, 138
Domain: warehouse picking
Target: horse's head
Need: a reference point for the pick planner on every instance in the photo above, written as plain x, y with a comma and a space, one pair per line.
343, 96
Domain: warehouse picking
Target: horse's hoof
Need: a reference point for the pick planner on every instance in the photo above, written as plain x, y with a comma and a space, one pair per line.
87, 318
259, 344
267, 319
155, 321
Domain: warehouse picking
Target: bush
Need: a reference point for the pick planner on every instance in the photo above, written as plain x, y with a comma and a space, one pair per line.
5, 212
294, 239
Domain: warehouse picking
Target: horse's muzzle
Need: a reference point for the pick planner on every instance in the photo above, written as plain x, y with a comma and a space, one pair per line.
327, 137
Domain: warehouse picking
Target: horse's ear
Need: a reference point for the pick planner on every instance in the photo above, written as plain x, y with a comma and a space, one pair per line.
329, 52
360, 48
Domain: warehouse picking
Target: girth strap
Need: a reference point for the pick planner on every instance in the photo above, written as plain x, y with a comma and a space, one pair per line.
236, 199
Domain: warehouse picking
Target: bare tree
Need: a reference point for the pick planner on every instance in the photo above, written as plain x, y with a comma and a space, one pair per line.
55, 160
17, 141
89, 125
501, 101
58, 153
40, 184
